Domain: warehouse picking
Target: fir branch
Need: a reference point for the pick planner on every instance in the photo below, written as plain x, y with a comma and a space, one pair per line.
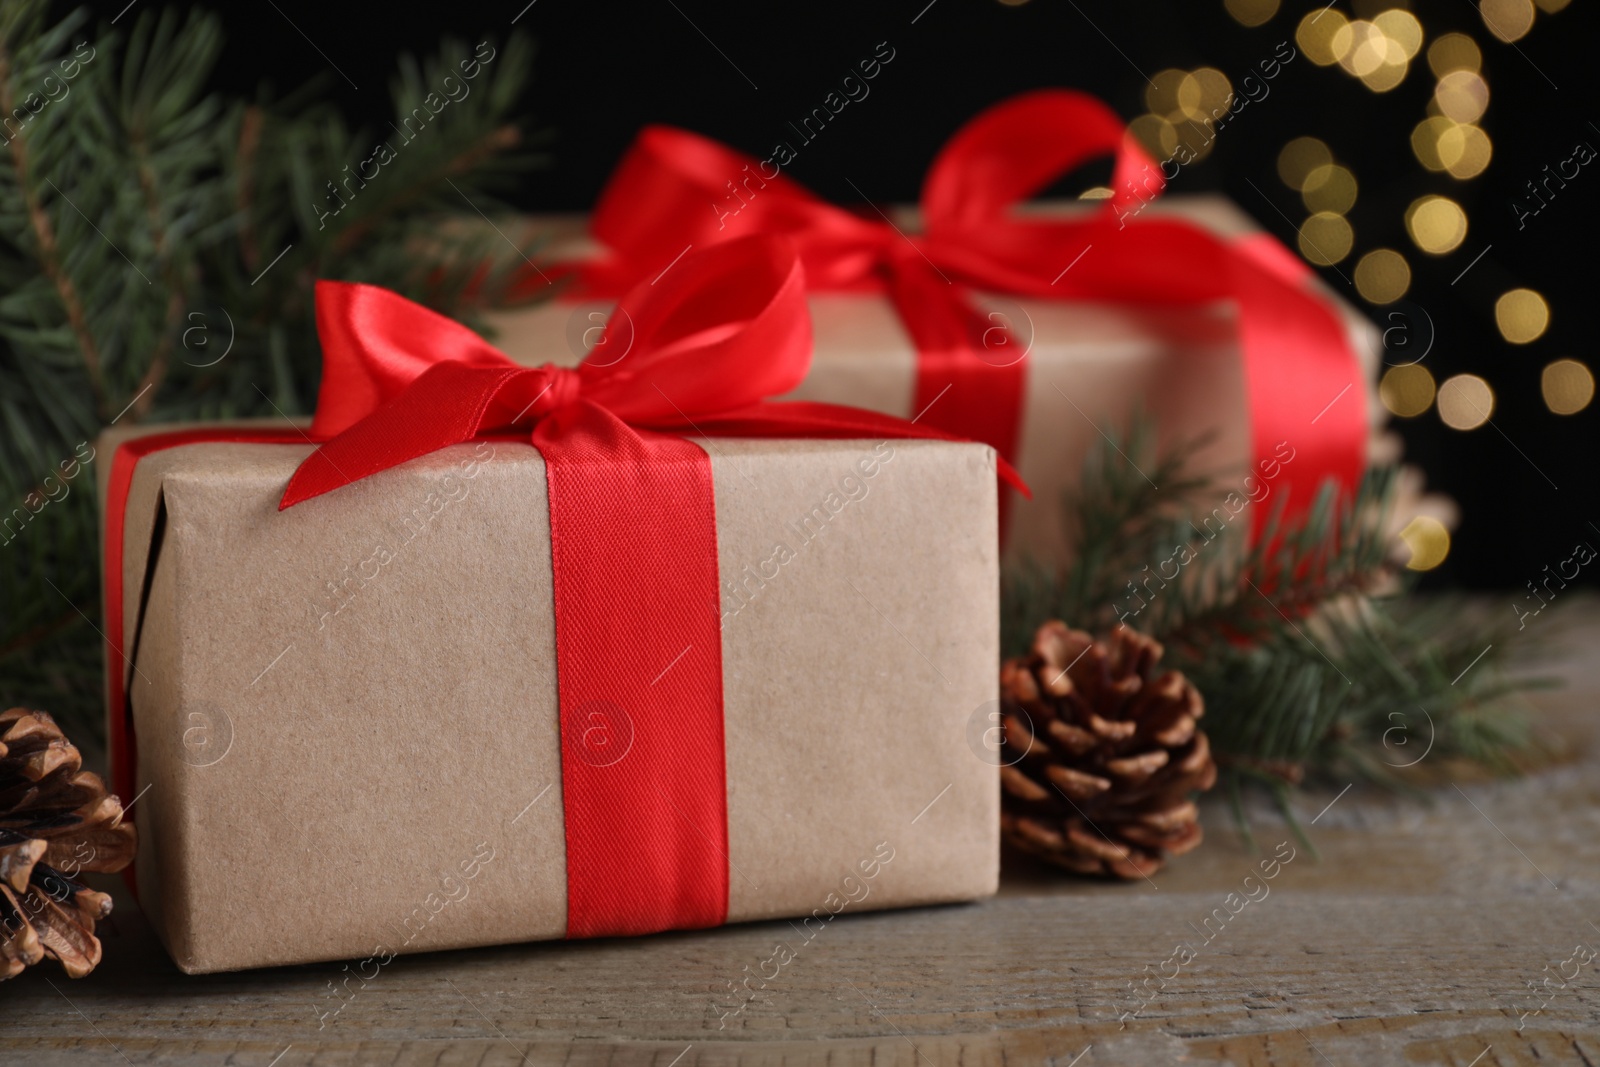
1310, 659
49, 249
200, 194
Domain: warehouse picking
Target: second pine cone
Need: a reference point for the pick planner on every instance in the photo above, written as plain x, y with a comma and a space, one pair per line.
1102, 756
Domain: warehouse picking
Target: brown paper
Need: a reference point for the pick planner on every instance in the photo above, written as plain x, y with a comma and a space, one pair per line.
350, 754
1091, 366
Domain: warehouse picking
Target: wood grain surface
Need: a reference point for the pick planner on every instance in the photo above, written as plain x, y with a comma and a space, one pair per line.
1411, 939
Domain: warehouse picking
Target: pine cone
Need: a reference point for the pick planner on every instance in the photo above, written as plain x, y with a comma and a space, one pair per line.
56, 820
1101, 755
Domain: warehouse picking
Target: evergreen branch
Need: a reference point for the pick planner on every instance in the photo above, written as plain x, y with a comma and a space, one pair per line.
249, 146
464, 162
202, 194
1309, 660
49, 251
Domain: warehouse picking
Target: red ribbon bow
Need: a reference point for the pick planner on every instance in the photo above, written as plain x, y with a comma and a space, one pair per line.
708, 343
675, 189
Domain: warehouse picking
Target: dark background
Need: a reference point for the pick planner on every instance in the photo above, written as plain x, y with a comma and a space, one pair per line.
739, 72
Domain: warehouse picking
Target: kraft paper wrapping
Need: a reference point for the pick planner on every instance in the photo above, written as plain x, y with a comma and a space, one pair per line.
350, 753
1091, 366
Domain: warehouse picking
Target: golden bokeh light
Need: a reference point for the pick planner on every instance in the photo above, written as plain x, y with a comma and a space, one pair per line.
1251, 12
1428, 541
1161, 95
1387, 76
1552, 6
1096, 192
1465, 402
1368, 51
1202, 92
1156, 134
1462, 95
1401, 27
1382, 277
1465, 151
1330, 187
1567, 386
1326, 238
1522, 316
1509, 20
1362, 48
1315, 35
1407, 391
1437, 224
1454, 51
1425, 141
1299, 158
1195, 136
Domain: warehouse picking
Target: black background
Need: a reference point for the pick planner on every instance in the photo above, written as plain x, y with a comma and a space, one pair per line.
739, 72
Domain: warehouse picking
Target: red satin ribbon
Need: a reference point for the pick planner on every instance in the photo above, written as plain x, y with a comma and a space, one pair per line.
674, 190
633, 536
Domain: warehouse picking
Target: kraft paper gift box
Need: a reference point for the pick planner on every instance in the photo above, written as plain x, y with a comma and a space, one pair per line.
345, 713
1091, 366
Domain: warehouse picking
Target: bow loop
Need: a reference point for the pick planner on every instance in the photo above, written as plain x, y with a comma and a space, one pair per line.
674, 189
1018, 148
375, 344
720, 329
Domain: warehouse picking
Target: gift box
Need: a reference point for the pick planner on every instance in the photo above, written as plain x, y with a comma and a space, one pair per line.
356, 726
1041, 327
1092, 367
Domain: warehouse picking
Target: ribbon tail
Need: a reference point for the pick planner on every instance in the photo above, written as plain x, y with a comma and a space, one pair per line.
972, 373
446, 405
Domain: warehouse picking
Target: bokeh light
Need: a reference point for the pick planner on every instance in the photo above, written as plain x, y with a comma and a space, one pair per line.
1454, 51
1425, 141
1407, 391
1326, 238
1251, 12
1567, 386
1202, 94
1382, 277
1315, 35
1155, 134
1508, 20
1161, 95
1428, 541
1437, 224
1401, 27
1462, 95
1465, 402
1522, 316
1465, 151
1329, 187
1299, 158
1360, 46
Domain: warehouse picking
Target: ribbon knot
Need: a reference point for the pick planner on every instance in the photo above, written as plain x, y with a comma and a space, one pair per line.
553, 388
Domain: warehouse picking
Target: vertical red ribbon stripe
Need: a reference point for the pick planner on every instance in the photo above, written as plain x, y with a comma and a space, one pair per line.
639, 656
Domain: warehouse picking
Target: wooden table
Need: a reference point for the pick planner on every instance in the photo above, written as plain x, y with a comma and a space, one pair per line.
1412, 940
